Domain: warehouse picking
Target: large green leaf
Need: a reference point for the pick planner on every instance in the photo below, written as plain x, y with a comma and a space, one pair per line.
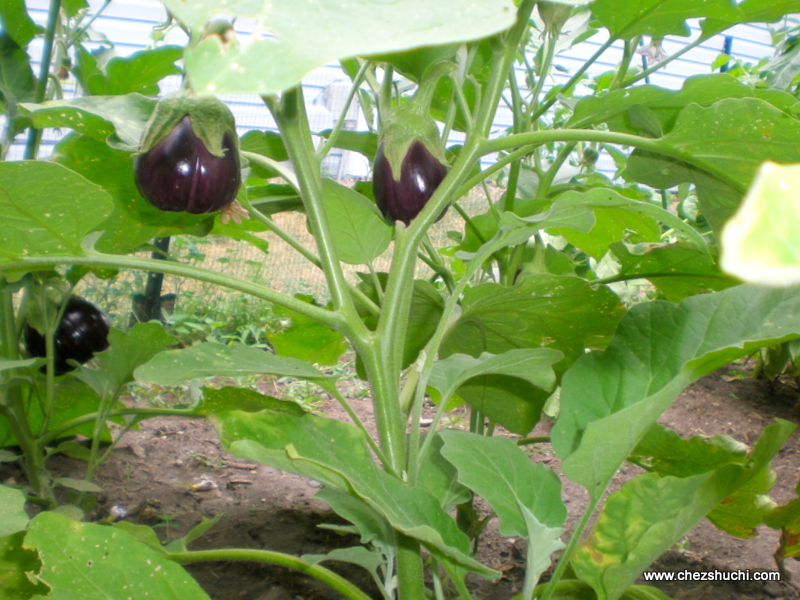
217, 360
17, 81
610, 399
650, 513
554, 311
139, 72
526, 496
90, 561
752, 11
614, 216
330, 30
116, 120
739, 134
133, 221
359, 231
16, 22
677, 270
761, 242
15, 563
363, 142
439, 476
337, 454
510, 388
658, 18
307, 339
13, 517
237, 398
614, 107
37, 220
127, 351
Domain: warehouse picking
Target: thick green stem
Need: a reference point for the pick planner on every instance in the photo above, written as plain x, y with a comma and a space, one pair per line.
293, 123
410, 576
625, 63
337, 582
34, 135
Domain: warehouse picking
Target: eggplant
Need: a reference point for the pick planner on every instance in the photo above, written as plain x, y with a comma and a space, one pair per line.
180, 174
82, 332
401, 198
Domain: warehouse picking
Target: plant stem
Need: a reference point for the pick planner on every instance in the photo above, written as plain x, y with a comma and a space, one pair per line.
114, 261
34, 135
606, 137
545, 439
574, 79
566, 556
627, 54
331, 141
337, 582
410, 575
546, 180
669, 59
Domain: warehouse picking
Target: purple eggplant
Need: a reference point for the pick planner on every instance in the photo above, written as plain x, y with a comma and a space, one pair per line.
82, 332
402, 197
180, 174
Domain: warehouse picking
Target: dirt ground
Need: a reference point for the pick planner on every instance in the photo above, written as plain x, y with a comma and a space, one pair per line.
152, 472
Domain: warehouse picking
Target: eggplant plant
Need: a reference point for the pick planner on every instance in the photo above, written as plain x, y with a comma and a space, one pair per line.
530, 300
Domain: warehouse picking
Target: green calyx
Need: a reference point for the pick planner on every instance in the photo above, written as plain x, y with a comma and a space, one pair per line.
210, 119
412, 121
554, 15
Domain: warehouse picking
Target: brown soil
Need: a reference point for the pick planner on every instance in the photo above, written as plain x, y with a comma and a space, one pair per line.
152, 471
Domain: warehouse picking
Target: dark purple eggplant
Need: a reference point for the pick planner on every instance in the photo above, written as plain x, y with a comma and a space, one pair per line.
401, 198
82, 332
180, 174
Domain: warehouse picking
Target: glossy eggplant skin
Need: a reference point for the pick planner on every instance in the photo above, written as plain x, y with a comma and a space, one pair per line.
180, 174
82, 331
420, 175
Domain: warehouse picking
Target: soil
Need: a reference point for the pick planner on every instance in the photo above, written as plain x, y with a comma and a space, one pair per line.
152, 473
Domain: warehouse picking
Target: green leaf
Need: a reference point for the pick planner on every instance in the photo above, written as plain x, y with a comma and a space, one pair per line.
610, 399
742, 512
116, 120
615, 215
17, 81
658, 18
71, 7
439, 476
85, 560
15, 564
760, 242
266, 143
133, 221
741, 133
13, 517
363, 142
554, 311
216, 360
677, 270
503, 475
126, 352
331, 30
510, 388
650, 513
10, 365
752, 11
370, 560
372, 526
16, 22
307, 339
139, 72
236, 398
359, 231
38, 222
80, 485
664, 452
337, 454
614, 107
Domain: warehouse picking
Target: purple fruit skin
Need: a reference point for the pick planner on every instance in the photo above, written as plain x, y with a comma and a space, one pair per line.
82, 331
420, 175
180, 174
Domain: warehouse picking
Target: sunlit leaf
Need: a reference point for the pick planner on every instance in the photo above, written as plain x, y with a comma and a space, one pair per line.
331, 30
